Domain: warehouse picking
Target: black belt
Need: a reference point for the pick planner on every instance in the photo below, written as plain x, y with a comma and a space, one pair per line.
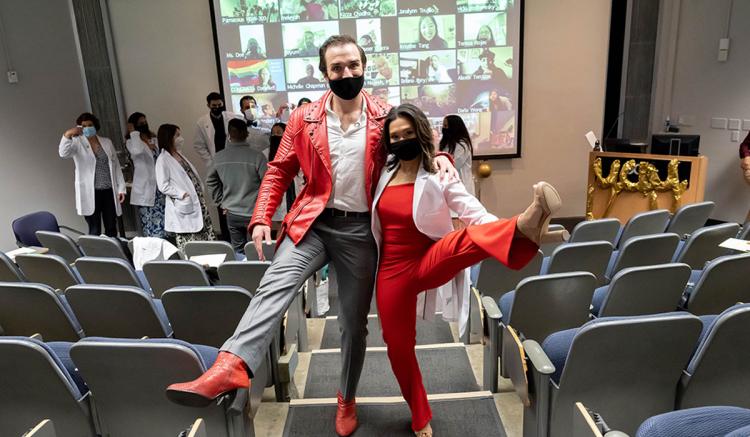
333, 212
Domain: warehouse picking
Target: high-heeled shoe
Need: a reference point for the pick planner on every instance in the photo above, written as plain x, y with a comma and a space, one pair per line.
346, 416
227, 374
534, 222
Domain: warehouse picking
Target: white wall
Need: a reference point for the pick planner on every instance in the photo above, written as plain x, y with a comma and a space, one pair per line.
691, 83
167, 65
35, 112
564, 80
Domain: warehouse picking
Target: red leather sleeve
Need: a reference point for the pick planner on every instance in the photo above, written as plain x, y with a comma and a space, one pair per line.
280, 173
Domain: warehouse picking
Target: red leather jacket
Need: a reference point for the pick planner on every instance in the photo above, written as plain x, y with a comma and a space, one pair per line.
305, 146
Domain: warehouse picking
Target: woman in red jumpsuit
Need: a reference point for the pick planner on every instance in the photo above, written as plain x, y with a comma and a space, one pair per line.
418, 249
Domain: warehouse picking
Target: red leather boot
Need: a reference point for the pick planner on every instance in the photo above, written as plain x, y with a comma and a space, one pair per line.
346, 416
228, 373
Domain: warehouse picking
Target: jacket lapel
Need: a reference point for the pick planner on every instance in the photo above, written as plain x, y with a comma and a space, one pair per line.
419, 185
382, 183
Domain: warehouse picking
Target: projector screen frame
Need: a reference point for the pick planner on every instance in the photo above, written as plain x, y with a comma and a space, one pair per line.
519, 5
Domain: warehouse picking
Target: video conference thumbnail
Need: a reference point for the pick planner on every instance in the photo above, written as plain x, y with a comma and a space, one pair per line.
487, 64
483, 30
368, 8
371, 38
428, 67
426, 7
427, 32
304, 39
249, 11
390, 95
382, 70
309, 10
303, 74
434, 100
473, 100
463, 6
253, 42
256, 76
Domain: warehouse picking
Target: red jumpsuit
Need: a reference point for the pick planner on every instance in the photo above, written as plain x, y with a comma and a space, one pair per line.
411, 262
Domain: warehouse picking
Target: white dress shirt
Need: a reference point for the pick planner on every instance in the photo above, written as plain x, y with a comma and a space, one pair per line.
347, 151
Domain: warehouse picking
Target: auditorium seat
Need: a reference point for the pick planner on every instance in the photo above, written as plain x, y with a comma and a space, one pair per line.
644, 223
590, 256
689, 218
128, 378
539, 306
163, 275
703, 245
102, 246
496, 279
605, 229
60, 244
698, 422
245, 274
268, 251
718, 373
28, 309
118, 311
51, 270
643, 250
40, 382
110, 271
642, 290
625, 368
193, 248
9, 271
722, 284
25, 227
744, 233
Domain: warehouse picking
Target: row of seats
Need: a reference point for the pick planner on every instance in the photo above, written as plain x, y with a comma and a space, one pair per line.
631, 368
112, 387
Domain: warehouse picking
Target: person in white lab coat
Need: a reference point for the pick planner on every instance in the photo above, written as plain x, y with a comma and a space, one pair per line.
419, 250
185, 212
99, 184
211, 129
456, 141
141, 143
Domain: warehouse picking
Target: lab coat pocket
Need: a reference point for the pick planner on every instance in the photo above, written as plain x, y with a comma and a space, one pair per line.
184, 206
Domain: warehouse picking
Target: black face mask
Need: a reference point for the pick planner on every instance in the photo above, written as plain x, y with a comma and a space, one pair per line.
143, 128
445, 131
405, 150
347, 88
217, 111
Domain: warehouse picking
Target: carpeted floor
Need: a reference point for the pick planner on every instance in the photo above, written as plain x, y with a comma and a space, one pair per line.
455, 417
444, 370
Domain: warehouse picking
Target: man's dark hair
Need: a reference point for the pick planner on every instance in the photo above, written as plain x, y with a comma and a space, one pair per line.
242, 100
213, 96
334, 41
303, 100
87, 116
237, 129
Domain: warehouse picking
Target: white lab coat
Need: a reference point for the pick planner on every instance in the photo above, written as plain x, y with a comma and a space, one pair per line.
204, 135
182, 216
431, 210
143, 191
83, 156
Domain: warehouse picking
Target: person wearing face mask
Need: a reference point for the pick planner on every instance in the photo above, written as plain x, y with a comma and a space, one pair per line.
456, 140
99, 183
248, 108
334, 142
211, 129
185, 213
141, 144
419, 250
257, 133
233, 182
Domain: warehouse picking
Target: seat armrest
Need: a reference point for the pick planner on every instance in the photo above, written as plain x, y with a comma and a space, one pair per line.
491, 310
538, 358
491, 345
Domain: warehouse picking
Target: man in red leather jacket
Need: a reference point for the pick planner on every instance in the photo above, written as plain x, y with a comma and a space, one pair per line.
335, 141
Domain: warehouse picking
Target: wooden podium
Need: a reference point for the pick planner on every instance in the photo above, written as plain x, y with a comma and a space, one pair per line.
621, 185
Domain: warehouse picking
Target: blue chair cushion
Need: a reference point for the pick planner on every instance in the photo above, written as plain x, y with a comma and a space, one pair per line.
695, 275
71, 316
696, 422
611, 263
678, 251
506, 304
206, 354
162, 313
742, 432
62, 350
25, 227
599, 295
557, 346
545, 265
142, 279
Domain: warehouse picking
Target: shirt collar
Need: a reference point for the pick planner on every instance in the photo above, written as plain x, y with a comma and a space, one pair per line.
332, 114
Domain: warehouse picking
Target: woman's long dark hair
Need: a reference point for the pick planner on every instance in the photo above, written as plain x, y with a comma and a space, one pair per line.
422, 129
457, 134
165, 137
133, 119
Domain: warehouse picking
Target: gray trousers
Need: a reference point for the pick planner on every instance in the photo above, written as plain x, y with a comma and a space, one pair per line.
348, 244
237, 231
